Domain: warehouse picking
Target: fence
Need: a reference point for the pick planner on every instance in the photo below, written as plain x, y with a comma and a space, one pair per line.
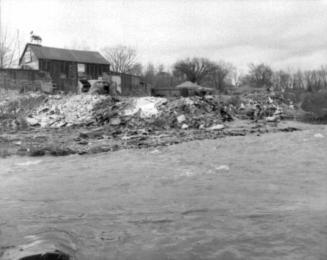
25, 80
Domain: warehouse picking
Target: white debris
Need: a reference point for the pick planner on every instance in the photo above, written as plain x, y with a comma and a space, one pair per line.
184, 126
222, 168
187, 173
147, 106
156, 151
27, 163
61, 111
318, 135
216, 127
181, 118
272, 118
32, 121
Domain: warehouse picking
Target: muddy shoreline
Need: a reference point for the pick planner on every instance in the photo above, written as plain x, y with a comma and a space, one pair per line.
90, 140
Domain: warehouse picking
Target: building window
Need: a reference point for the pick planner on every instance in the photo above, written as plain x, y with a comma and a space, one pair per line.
28, 56
81, 68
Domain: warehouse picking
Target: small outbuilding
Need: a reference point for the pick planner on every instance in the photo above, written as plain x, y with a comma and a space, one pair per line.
65, 66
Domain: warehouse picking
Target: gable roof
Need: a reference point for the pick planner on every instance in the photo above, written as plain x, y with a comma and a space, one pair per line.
50, 53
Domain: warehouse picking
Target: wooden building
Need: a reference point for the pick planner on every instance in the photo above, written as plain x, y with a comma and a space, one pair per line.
65, 66
130, 85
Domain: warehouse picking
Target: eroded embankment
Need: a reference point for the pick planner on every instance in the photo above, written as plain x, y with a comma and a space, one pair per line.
78, 140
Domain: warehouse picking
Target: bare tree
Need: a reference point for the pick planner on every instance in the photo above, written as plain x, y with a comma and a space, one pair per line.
150, 73
195, 69
261, 75
235, 77
121, 58
220, 75
137, 69
281, 80
161, 68
7, 50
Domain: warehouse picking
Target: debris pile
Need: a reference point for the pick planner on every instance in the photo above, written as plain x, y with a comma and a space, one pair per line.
156, 114
15, 107
193, 112
261, 106
151, 113
59, 111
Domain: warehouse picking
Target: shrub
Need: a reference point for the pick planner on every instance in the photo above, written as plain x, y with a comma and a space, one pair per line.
316, 103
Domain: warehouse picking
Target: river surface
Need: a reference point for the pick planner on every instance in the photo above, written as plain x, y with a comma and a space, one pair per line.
253, 197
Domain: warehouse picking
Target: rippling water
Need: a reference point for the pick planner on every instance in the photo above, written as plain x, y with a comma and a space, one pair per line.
234, 198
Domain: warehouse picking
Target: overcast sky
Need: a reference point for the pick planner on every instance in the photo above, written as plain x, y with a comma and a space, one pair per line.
281, 33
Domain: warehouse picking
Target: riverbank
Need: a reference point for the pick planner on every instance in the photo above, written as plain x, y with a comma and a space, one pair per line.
90, 140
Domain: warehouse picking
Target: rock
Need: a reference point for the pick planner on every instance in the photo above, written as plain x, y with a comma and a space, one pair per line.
216, 127
32, 121
184, 126
272, 118
46, 245
181, 119
115, 121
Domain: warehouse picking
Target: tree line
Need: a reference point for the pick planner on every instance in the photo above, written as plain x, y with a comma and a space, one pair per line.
221, 76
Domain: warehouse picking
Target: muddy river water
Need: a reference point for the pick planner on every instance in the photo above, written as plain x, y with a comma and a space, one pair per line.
253, 197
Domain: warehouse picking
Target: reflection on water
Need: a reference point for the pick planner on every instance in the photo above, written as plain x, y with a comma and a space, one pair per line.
166, 204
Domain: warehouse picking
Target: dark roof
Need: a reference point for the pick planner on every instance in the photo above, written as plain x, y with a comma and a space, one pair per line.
50, 53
